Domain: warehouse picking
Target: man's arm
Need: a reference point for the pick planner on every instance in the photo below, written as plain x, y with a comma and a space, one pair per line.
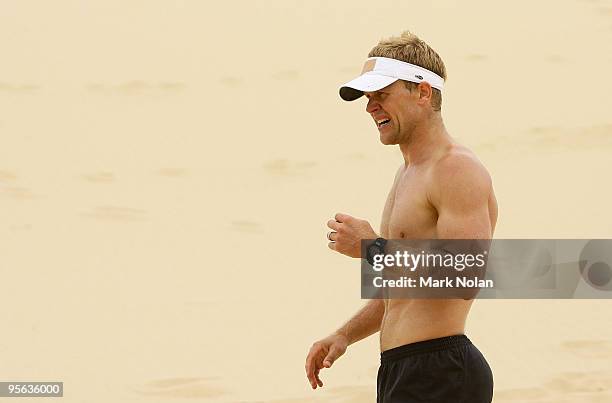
349, 231
460, 192
364, 323
324, 352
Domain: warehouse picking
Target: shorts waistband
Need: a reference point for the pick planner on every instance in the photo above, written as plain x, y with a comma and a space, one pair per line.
425, 346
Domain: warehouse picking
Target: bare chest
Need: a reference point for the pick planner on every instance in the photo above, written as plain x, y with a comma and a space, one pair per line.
410, 215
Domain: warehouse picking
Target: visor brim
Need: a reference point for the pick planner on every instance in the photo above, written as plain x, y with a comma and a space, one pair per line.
354, 89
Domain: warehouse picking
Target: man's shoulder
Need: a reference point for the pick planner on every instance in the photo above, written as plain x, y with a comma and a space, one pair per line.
458, 161
459, 170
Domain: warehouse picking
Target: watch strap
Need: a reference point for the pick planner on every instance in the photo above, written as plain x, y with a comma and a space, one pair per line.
380, 244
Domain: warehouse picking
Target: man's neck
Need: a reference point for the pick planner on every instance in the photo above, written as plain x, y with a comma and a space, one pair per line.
428, 139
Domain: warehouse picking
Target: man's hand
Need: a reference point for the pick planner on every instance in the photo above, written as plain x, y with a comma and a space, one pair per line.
322, 354
347, 234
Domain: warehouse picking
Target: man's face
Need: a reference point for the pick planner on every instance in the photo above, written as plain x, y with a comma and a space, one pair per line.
394, 112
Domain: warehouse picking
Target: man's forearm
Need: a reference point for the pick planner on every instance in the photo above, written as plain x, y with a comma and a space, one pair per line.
365, 322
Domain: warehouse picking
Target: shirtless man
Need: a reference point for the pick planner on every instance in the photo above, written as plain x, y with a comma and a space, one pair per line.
440, 191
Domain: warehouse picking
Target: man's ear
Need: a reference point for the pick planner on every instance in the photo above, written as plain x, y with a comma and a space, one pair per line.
425, 92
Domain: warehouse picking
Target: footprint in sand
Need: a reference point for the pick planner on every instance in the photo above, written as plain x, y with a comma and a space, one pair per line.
521, 395
230, 81
116, 213
6, 176
18, 88
13, 192
594, 383
572, 387
285, 167
286, 75
100, 177
342, 394
132, 87
20, 227
356, 156
135, 87
475, 57
349, 69
182, 388
353, 394
601, 349
584, 137
16, 192
172, 172
548, 138
555, 59
171, 86
246, 226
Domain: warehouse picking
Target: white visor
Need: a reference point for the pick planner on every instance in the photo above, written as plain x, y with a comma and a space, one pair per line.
379, 72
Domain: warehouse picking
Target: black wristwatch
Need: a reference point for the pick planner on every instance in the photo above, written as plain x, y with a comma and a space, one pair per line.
376, 248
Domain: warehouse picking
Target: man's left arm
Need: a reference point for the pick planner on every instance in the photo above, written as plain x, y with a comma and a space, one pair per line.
460, 192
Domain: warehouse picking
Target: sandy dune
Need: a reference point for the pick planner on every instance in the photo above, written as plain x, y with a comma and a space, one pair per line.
166, 170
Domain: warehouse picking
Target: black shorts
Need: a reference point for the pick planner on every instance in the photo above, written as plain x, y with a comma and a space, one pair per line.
445, 370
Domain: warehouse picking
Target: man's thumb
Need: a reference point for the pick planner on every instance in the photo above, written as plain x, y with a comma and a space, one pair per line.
330, 358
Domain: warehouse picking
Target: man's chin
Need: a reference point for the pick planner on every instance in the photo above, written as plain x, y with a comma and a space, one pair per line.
387, 140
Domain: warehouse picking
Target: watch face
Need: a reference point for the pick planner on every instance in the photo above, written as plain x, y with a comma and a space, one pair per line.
374, 250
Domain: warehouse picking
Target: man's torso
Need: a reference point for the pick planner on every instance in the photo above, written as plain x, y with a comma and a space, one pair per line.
408, 214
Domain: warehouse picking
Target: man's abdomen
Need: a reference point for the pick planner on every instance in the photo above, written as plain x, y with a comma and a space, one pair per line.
410, 321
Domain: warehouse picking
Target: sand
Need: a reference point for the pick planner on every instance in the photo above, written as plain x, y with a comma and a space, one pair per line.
167, 169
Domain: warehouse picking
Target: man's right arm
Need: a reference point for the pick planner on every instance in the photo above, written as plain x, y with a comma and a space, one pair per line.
324, 352
364, 323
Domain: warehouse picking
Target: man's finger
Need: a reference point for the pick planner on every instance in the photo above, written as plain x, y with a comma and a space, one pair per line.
332, 245
341, 217
311, 378
313, 373
332, 235
310, 364
333, 224
319, 381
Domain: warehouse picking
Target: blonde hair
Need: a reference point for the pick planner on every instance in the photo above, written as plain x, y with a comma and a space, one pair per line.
411, 49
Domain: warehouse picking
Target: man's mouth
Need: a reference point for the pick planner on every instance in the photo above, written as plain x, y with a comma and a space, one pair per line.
382, 122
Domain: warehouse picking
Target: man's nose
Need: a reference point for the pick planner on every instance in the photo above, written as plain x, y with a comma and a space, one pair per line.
372, 106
